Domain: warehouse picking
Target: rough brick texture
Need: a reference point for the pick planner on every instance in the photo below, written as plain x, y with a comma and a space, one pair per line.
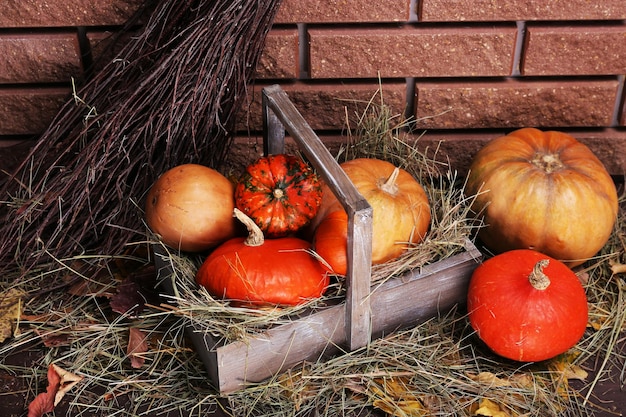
490, 10
280, 58
333, 11
34, 58
28, 111
579, 50
329, 107
411, 52
50, 13
469, 70
512, 104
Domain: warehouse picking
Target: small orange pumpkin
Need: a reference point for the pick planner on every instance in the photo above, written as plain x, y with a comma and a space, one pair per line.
527, 306
258, 271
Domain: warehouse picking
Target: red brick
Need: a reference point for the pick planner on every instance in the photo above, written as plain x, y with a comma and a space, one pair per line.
325, 107
37, 13
510, 104
490, 10
31, 58
29, 111
575, 50
280, 55
359, 11
412, 52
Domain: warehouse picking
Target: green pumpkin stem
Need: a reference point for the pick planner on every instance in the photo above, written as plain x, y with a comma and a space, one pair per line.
537, 278
389, 185
255, 234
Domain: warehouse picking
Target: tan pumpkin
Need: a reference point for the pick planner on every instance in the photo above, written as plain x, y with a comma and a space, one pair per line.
190, 207
401, 211
544, 191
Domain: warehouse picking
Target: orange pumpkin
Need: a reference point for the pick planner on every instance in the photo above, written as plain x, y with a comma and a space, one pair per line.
544, 191
258, 271
191, 208
401, 211
527, 306
281, 193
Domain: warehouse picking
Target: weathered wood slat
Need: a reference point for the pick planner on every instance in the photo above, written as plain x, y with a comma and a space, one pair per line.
359, 251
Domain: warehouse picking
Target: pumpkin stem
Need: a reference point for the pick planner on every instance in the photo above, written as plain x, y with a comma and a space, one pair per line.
278, 193
389, 185
255, 234
537, 278
547, 162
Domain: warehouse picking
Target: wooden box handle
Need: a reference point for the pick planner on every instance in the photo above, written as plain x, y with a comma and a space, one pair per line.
280, 115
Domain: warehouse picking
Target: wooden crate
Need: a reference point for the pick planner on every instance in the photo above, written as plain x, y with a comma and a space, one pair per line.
366, 312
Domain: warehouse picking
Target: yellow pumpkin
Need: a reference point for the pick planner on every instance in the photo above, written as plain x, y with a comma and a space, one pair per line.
401, 211
544, 191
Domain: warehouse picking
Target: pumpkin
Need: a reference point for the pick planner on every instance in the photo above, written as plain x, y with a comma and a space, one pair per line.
527, 306
190, 208
544, 191
258, 271
331, 240
281, 193
401, 212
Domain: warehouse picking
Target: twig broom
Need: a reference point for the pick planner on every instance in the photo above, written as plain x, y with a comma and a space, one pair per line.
169, 97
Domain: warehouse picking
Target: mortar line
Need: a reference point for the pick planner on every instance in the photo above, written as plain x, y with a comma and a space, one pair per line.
303, 51
519, 48
620, 98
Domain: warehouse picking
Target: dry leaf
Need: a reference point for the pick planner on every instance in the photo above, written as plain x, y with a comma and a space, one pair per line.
137, 345
396, 398
563, 365
618, 268
68, 380
488, 378
488, 408
60, 382
50, 339
10, 310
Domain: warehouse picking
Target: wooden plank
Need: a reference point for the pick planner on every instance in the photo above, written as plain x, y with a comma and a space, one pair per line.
358, 316
273, 130
397, 303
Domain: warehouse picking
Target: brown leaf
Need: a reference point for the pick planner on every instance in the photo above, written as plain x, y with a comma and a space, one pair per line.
137, 344
50, 339
134, 292
60, 382
44, 402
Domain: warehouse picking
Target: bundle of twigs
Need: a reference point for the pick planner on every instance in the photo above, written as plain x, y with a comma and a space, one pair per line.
169, 97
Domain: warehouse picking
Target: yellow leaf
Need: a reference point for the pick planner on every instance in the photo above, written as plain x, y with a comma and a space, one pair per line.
10, 311
487, 378
488, 408
408, 408
563, 365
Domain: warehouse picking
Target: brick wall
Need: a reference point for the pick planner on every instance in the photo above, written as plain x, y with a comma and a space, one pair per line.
44, 45
467, 70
